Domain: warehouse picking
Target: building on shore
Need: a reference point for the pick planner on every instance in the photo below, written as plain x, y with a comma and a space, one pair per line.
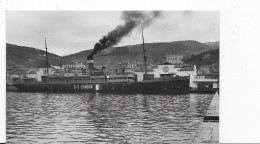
204, 81
207, 77
176, 60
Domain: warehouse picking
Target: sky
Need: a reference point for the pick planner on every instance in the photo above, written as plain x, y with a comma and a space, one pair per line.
69, 32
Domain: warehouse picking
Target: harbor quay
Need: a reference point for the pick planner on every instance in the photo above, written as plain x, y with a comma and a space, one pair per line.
208, 131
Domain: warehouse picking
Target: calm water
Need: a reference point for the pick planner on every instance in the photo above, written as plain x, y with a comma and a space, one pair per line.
103, 118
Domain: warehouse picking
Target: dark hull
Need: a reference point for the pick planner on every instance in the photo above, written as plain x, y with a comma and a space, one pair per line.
174, 86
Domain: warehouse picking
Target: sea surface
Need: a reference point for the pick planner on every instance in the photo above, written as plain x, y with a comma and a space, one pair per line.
42, 118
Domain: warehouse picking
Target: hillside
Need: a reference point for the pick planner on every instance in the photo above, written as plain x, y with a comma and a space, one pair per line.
79, 57
154, 52
214, 45
206, 58
25, 57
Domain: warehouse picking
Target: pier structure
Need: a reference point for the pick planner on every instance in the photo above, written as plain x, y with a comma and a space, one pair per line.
206, 82
208, 131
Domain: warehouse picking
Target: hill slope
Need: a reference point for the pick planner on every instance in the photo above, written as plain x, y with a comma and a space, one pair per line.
154, 52
206, 58
26, 57
214, 45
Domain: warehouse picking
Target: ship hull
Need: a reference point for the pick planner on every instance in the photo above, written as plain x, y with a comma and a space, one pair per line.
176, 86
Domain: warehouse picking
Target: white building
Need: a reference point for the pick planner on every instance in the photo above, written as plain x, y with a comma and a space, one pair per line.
174, 59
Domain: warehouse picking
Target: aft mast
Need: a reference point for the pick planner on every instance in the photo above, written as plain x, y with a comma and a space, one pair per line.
47, 63
145, 58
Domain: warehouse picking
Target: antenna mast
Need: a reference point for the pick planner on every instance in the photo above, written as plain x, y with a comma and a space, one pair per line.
145, 58
47, 63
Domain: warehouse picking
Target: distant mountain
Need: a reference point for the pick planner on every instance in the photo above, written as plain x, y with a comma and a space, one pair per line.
215, 45
25, 57
206, 58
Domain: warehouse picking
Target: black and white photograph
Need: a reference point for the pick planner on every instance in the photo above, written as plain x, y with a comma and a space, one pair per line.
112, 77
129, 72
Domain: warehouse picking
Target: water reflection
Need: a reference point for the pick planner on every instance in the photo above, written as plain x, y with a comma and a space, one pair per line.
103, 118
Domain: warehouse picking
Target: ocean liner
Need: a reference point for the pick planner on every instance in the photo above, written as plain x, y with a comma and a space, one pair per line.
93, 80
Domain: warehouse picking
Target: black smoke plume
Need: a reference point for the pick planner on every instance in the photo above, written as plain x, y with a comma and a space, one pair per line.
131, 19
